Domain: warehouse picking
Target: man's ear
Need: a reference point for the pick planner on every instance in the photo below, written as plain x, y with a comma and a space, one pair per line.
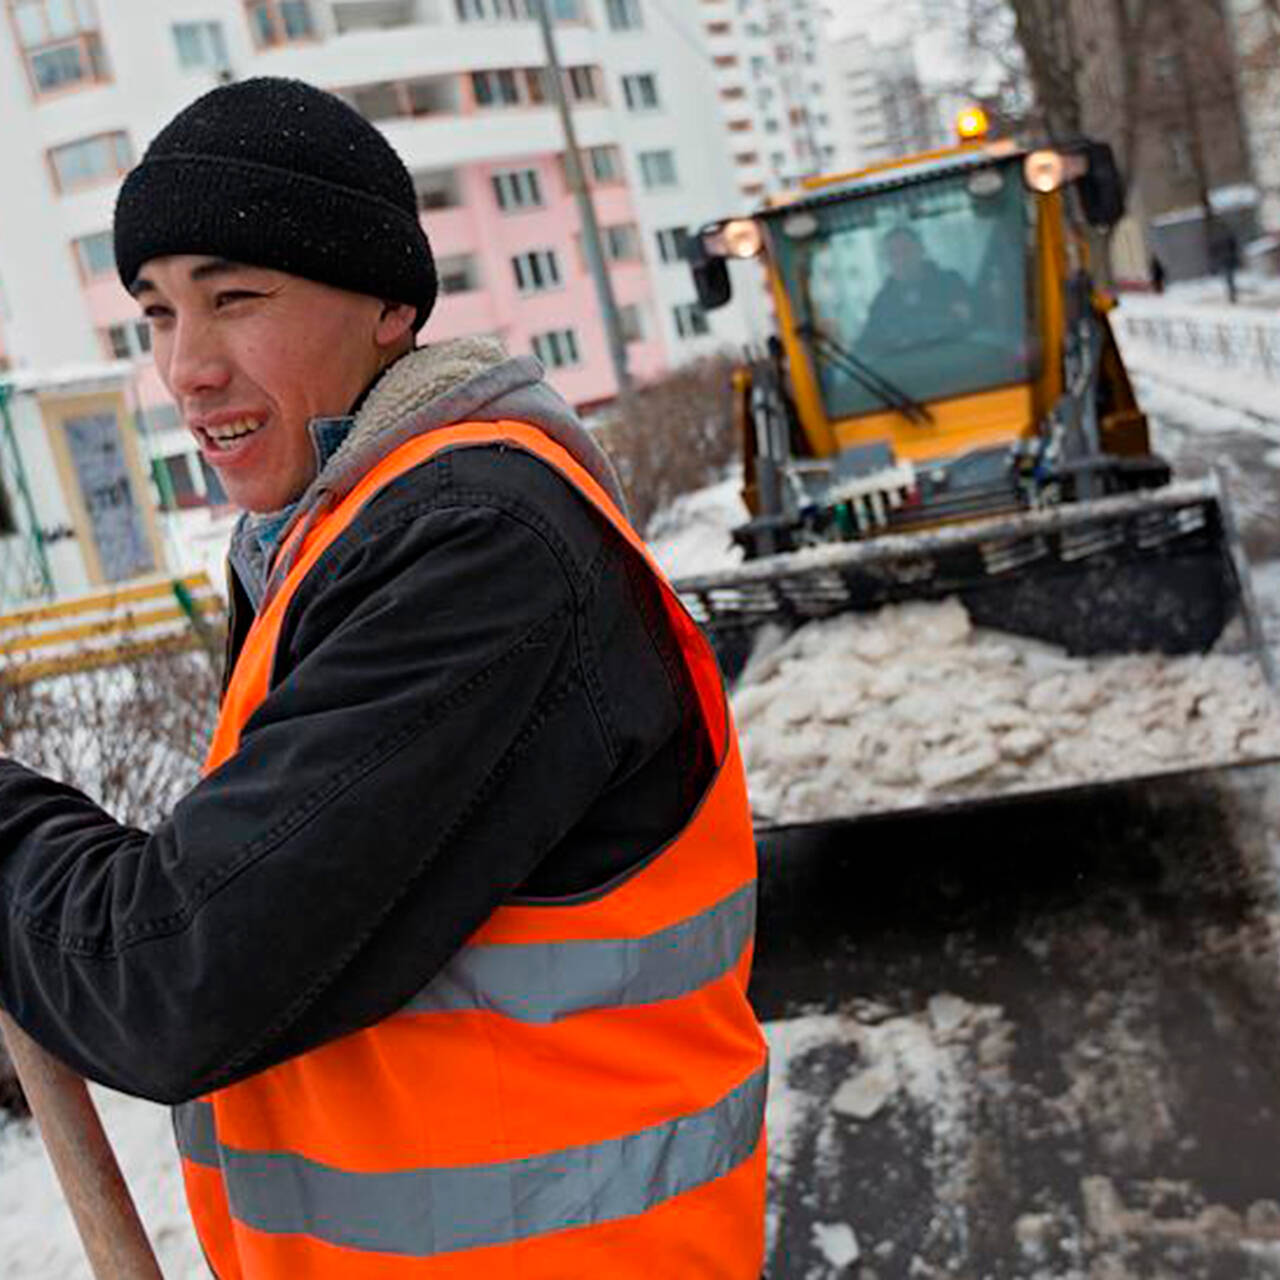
395, 320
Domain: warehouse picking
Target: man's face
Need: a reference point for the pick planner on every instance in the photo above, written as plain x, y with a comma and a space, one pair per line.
250, 356
906, 257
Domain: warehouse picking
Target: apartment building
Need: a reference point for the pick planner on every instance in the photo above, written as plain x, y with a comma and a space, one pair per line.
883, 110
774, 92
1188, 131
460, 89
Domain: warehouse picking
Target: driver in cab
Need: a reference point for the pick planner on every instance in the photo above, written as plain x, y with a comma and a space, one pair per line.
919, 302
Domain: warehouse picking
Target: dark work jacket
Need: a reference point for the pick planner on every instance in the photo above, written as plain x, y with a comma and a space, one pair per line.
475, 695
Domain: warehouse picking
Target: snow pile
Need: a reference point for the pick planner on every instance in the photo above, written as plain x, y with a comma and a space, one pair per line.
39, 1239
912, 706
692, 534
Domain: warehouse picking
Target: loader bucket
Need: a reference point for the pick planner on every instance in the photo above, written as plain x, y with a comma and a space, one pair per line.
1154, 571
1157, 572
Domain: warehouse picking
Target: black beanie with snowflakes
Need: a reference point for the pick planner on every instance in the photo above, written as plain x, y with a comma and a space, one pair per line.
276, 173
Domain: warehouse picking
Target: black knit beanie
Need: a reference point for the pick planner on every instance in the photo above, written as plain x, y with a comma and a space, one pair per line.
276, 173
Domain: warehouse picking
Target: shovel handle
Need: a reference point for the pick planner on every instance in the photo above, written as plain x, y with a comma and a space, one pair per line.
94, 1188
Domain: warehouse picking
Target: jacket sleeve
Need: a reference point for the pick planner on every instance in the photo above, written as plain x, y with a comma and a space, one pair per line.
433, 678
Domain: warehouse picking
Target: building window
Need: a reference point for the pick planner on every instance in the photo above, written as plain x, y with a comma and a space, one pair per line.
623, 15
536, 271
276, 22
130, 341
437, 189
747, 157
519, 189
495, 88
719, 28
622, 243
60, 42
458, 274
725, 60
491, 10
640, 92
95, 255
386, 99
584, 84
557, 348
177, 484
631, 321
673, 244
566, 10
691, 320
200, 45
657, 169
604, 165
97, 159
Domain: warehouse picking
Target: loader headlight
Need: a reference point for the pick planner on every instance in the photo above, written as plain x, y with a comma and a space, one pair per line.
1046, 171
739, 238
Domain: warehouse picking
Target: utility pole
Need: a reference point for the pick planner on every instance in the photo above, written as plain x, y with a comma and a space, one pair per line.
586, 210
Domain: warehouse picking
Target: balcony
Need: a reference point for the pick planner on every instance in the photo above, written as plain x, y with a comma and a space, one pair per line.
373, 15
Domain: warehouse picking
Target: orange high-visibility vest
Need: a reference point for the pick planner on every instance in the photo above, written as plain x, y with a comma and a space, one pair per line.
579, 1092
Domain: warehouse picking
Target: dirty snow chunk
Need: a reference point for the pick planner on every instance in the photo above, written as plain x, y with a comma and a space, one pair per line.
910, 705
837, 1243
863, 1095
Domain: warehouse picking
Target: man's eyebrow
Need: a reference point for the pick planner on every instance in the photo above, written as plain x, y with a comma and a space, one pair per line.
201, 271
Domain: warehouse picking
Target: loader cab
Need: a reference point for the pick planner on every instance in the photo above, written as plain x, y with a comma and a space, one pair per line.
928, 285
939, 283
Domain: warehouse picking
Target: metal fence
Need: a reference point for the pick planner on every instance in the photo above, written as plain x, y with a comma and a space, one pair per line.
1242, 345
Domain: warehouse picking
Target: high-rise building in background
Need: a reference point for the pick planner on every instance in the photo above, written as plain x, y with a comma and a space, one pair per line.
684, 111
883, 108
896, 79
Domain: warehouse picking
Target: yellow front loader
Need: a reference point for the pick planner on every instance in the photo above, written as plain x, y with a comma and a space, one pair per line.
943, 412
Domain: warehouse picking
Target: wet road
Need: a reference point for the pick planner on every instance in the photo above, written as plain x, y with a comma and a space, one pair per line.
1040, 1040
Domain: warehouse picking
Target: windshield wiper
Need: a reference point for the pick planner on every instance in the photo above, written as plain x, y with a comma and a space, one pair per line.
892, 396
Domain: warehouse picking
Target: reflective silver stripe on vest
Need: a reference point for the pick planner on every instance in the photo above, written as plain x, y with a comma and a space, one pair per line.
542, 982
422, 1212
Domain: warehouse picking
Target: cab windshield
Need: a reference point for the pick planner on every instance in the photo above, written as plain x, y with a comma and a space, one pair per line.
926, 287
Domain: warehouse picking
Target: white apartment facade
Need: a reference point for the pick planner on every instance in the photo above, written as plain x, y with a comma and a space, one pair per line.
458, 87
774, 93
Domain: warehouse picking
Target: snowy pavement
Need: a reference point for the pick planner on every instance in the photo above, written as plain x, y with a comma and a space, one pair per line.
1039, 1041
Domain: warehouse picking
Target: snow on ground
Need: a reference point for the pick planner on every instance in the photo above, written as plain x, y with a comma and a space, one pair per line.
692, 535
836, 1076
1221, 400
1224, 366
39, 1238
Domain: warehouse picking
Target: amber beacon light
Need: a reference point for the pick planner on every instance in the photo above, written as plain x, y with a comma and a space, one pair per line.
972, 124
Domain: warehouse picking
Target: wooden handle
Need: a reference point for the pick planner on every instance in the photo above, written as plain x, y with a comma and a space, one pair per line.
94, 1188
